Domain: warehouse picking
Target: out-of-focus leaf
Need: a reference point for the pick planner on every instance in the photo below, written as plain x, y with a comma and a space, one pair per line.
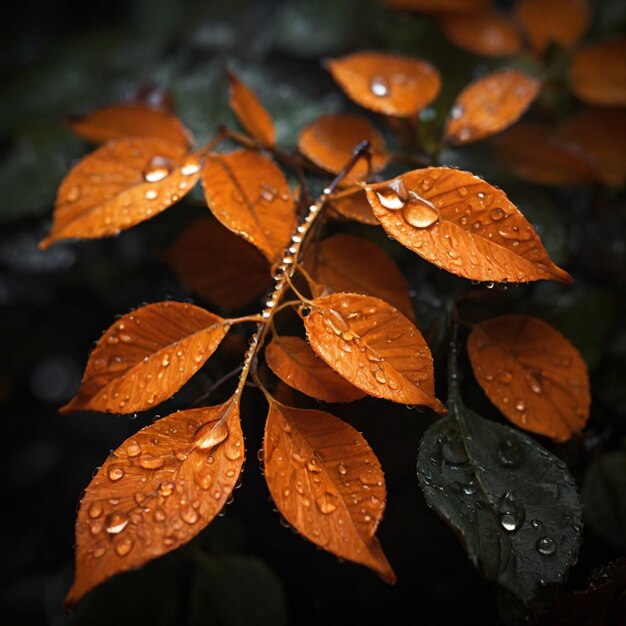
250, 112
354, 206
439, 6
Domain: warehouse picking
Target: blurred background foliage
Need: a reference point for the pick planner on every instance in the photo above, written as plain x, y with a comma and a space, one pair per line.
64, 57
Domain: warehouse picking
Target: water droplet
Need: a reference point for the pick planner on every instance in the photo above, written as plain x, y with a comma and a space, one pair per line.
115, 472
457, 112
379, 86
99, 552
512, 513
313, 466
166, 488
151, 462
123, 546
190, 166
520, 405
189, 516
326, 503
379, 375
394, 195
470, 489
115, 523
536, 524
158, 168
510, 453
452, 449
211, 435
151, 194
420, 212
546, 546
342, 468
505, 376
95, 510
496, 214
73, 194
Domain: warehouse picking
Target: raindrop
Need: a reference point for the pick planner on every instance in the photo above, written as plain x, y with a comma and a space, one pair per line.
496, 214
379, 86
151, 462
151, 194
95, 510
313, 466
505, 376
73, 194
123, 546
166, 488
420, 212
470, 489
520, 405
546, 546
189, 516
158, 168
393, 196
510, 453
342, 468
115, 472
115, 523
512, 513
326, 503
211, 435
190, 166
452, 449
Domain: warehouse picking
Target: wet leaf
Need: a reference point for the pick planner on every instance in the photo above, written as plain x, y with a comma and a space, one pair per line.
536, 154
532, 373
386, 83
563, 22
604, 496
156, 492
121, 184
489, 33
249, 194
513, 505
598, 73
354, 206
250, 112
463, 225
146, 357
295, 363
327, 483
375, 347
120, 121
356, 265
329, 141
490, 104
218, 265
439, 6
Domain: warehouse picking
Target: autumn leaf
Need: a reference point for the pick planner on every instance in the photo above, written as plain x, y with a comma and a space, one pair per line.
354, 206
463, 225
295, 363
532, 374
120, 121
327, 483
218, 265
147, 356
598, 73
489, 105
250, 112
489, 33
353, 264
249, 194
156, 492
375, 347
386, 83
535, 153
121, 184
563, 22
439, 6
329, 141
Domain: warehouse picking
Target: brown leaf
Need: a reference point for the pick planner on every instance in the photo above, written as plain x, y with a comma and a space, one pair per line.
439, 6
327, 483
293, 361
600, 133
130, 120
156, 492
533, 374
489, 105
463, 225
386, 83
535, 153
598, 73
250, 112
371, 344
354, 206
553, 21
353, 264
121, 184
147, 356
218, 265
249, 194
488, 33
329, 141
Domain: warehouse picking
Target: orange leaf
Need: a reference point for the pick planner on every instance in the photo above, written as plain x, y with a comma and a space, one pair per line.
130, 120
354, 206
121, 184
250, 112
327, 483
533, 374
293, 361
463, 225
352, 264
329, 141
598, 73
439, 6
156, 492
490, 104
386, 83
219, 265
536, 154
371, 344
147, 356
600, 135
487, 33
560, 21
249, 194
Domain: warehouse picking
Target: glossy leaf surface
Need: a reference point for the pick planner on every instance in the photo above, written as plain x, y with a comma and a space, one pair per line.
147, 356
386, 83
123, 183
327, 483
490, 104
156, 492
249, 194
512, 504
295, 363
463, 225
375, 347
533, 374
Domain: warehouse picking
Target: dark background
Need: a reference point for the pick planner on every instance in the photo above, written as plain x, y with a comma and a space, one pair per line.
61, 58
